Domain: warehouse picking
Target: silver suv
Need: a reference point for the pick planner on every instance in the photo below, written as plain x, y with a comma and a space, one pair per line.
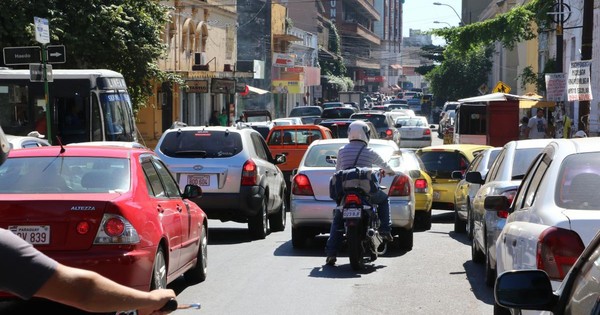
233, 165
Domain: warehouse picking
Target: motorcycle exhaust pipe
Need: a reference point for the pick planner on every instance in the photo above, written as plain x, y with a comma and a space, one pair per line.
371, 232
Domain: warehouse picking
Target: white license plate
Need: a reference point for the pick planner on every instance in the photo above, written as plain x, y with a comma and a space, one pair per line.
33, 234
200, 180
351, 213
436, 195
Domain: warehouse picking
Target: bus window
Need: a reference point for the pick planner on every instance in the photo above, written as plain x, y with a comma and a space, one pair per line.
71, 116
118, 120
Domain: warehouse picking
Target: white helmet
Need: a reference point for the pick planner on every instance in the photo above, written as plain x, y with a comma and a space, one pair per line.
358, 130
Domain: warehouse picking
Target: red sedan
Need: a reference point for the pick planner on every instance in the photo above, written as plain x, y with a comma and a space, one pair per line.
114, 210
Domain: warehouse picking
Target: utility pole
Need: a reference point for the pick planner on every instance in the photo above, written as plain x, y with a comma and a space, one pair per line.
586, 54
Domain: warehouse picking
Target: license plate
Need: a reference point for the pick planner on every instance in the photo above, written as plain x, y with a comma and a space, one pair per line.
350, 213
436, 195
200, 180
33, 234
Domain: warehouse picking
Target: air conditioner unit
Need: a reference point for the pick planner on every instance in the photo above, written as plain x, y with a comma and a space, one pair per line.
199, 58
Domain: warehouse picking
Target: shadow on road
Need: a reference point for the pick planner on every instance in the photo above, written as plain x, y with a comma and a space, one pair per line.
476, 278
342, 270
228, 236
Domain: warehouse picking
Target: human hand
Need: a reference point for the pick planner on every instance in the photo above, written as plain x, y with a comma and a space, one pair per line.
159, 298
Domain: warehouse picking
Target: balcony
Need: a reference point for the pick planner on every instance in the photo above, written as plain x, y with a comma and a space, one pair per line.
366, 8
353, 29
363, 63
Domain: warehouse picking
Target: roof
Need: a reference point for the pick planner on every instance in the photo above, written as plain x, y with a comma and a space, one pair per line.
89, 151
525, 101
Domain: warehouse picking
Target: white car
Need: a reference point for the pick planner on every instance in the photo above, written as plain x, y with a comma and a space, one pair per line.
21, 142
556, 211
415, 132
311, 208
287, 121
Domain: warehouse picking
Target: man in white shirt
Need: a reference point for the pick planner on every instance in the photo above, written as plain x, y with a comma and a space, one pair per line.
537, 126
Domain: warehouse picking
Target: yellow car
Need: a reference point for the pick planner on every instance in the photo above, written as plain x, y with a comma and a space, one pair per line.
412, 165
440, 161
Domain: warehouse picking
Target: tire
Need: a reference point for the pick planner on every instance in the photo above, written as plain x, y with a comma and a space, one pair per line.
159, 271
426, 224
423, 220
277, 219
258, 224
477, 255
405, 239
355, 252
198, 273
499, 310
460, 226
299, 237
490, 273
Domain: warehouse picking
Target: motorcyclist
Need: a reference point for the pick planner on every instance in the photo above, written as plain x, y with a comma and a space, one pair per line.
357, 153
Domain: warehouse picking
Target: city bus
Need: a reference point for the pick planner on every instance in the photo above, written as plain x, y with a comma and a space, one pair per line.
85, 105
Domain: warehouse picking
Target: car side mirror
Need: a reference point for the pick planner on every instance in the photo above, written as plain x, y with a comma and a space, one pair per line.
525, 289
191, 191
280, 159
432, 127
474, 178
398, 125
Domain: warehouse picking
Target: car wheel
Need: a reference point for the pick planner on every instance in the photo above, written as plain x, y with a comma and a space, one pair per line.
277, 219
198, 273
460, 226
405, 239
258, 224
423, 220
299, 237
469, 222
159, 271
476, 254
499, 310
490, 273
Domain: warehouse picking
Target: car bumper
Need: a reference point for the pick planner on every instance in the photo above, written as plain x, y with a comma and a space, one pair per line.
415, 143
232, 206
423, 202
443, 195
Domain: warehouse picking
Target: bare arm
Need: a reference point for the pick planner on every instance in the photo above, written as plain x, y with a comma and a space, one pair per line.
92, 292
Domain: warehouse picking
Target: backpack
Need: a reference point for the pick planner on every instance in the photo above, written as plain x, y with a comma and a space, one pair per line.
362, 179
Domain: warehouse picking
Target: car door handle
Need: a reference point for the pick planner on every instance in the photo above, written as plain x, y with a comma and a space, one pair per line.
179, 208
160, 209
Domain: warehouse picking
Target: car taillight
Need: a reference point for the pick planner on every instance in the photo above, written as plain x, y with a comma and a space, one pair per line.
352, 199
426, 132
557, 251
389, 133
302, 186
400, 186
420, 185
114, 229
249, 174
510, 195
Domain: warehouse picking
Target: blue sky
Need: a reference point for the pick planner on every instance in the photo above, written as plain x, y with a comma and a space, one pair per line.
420, 14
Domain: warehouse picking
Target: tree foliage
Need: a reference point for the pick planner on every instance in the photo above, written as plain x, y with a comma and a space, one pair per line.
121, 35
460, 75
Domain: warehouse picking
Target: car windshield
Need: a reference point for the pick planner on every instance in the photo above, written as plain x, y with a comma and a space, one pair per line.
378, 121
578, 182
317, 155
201, 144
48, 175
441, 164
411, 122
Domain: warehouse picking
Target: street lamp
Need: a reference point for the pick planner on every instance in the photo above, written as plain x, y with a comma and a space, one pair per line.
451, 7
439, 22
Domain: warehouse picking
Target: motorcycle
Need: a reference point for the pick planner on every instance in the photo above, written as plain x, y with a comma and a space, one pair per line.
361, 224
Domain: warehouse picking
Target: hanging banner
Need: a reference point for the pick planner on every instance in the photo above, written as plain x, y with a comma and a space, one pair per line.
556, 84
285, 86
579, 84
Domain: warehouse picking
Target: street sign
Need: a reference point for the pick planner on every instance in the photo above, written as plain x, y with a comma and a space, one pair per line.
42, 30
21, 55
56, 54
501, 87
36, 73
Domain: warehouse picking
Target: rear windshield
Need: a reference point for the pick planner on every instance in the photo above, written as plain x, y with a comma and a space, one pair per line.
305, 111
448, 107
337, 113
294, 136
441, 164
578, 182
377, 120
316, 155
50, 175
339, 129
201, 144
412, 122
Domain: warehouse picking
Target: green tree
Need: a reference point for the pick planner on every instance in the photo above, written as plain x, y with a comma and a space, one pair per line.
460, 75
121, 35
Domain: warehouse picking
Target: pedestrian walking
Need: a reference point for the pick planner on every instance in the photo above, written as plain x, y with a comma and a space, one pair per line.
537, 126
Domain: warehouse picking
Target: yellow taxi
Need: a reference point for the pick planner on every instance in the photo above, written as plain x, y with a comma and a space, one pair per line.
440, 161
422, 186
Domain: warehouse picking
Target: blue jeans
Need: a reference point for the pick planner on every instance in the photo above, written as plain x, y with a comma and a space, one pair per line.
380, 198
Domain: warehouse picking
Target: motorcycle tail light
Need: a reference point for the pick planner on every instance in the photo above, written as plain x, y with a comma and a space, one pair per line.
352, 198
557, 251
400, 186
301, 186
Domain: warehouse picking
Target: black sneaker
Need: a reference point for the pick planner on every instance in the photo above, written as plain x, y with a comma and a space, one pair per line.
386, 236
330, 261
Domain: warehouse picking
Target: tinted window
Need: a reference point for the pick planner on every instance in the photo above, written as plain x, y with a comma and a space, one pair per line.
168, 181
378, 121
337, 113
441, 164
305, 111
338, 129
412, 122
201, 144
578, 182
155, 187
493, 156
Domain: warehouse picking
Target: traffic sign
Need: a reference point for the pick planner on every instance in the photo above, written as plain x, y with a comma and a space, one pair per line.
56, 54
36, 73
42, 30
501, 87
21, 55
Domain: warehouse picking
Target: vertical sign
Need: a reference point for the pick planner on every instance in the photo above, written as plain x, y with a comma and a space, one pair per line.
578, 84
42, 30
556, 84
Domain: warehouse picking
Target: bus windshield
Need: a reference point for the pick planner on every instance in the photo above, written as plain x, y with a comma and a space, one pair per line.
118, 118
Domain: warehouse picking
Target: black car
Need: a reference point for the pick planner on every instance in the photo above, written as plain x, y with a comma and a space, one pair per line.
339, 127
383, 122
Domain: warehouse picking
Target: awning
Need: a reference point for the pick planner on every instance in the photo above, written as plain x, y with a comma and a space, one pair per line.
256, 90
396, 66
538, 103
525, 101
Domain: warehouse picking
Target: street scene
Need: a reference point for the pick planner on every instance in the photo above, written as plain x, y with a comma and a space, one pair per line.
299, 157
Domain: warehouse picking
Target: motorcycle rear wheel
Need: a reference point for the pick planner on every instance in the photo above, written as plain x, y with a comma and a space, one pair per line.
355, 251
